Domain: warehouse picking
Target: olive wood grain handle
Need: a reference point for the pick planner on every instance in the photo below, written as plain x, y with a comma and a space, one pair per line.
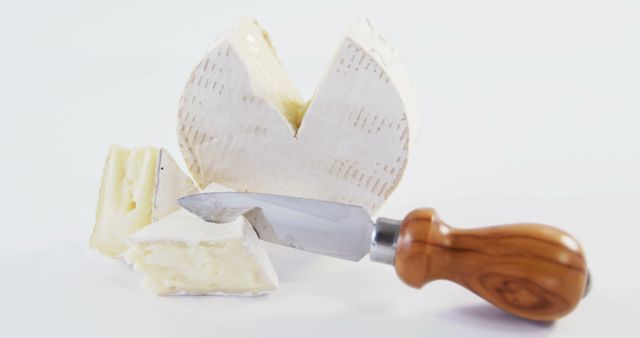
531, 270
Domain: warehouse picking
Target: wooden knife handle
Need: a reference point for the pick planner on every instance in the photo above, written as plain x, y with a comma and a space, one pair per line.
530, 270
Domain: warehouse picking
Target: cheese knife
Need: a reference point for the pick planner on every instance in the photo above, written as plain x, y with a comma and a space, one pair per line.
531, 270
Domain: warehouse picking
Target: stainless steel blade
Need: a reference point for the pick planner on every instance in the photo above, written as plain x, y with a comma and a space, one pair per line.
327, 228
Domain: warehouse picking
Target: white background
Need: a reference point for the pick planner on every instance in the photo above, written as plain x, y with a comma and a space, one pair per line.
528, 111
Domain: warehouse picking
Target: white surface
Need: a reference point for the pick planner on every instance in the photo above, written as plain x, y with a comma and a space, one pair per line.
529, 111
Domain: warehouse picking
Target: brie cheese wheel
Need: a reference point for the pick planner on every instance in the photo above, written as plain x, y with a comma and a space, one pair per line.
139, 186
182, 254
242, 123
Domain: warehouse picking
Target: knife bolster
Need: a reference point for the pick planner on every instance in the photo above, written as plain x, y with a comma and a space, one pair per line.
383, 240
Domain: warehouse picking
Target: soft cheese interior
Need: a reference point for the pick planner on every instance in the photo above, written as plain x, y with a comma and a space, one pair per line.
182, 254
269, 79
138, 186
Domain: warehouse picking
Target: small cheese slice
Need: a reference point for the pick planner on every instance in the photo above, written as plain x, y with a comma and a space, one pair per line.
242, 122
139, 186
182, 254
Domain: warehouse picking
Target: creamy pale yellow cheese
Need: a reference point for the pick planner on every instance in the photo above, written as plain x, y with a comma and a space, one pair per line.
138, 186
177, 268
269, 78
182, 254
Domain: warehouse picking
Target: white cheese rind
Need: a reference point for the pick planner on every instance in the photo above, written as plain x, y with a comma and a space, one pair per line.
138, 185
241, 121
182, 254
184, 227
171, 184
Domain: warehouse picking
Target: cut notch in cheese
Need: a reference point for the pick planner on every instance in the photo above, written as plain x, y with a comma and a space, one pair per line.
242, 122
269, 79
138, 186
182, 254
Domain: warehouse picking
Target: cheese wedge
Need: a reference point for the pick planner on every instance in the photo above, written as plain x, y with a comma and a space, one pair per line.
139, 186
242, 123
182, 254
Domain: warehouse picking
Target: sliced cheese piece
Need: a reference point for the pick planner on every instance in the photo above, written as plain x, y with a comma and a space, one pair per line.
139, 185
242, 123
182, 254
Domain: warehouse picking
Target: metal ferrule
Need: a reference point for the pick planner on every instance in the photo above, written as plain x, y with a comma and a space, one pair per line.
383, 240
